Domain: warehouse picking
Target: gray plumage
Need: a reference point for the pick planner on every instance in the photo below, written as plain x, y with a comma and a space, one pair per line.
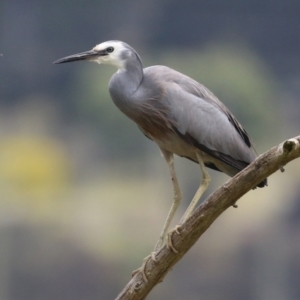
181, 115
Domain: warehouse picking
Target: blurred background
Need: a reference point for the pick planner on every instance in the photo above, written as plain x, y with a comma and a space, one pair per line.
84, 194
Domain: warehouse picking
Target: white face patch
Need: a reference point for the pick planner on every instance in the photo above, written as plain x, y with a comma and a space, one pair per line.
113, 58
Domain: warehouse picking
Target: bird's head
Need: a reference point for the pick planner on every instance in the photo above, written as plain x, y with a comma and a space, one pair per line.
112, 52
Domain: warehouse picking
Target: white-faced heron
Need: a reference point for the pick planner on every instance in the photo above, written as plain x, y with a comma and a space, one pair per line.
181, 115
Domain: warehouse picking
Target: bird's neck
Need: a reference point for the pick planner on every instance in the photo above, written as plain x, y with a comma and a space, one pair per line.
124, 84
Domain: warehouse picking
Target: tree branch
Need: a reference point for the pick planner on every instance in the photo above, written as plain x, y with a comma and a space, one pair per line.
205, 214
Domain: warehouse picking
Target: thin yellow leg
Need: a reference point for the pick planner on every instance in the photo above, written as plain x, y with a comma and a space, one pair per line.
177, 198
202, 188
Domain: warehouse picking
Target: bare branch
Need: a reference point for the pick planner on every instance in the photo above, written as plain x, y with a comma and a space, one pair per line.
204, 215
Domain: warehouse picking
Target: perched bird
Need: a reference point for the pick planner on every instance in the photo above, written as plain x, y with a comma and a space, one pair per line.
181, 115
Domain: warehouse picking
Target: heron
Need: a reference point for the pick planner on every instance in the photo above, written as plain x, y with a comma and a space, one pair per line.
179, 114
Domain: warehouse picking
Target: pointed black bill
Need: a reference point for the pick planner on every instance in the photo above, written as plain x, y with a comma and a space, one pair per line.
88, 55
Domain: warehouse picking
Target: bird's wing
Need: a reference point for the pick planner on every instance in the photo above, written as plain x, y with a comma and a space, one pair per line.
195, 88
200, 118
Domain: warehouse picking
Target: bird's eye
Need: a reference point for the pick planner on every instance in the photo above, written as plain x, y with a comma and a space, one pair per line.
110, 49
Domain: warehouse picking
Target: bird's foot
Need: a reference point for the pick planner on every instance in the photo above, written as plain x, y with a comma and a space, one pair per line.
169, 242
153, 256
177, 229
142, 268
235, 205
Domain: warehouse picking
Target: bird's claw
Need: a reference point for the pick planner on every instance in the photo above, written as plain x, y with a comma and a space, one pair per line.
142, 269
169, 244
153, 256
177, 229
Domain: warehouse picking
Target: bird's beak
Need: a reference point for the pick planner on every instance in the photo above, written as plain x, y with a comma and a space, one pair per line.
88, 55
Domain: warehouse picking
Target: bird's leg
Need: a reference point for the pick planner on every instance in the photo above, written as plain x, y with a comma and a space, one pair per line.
202, 188
176, 201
